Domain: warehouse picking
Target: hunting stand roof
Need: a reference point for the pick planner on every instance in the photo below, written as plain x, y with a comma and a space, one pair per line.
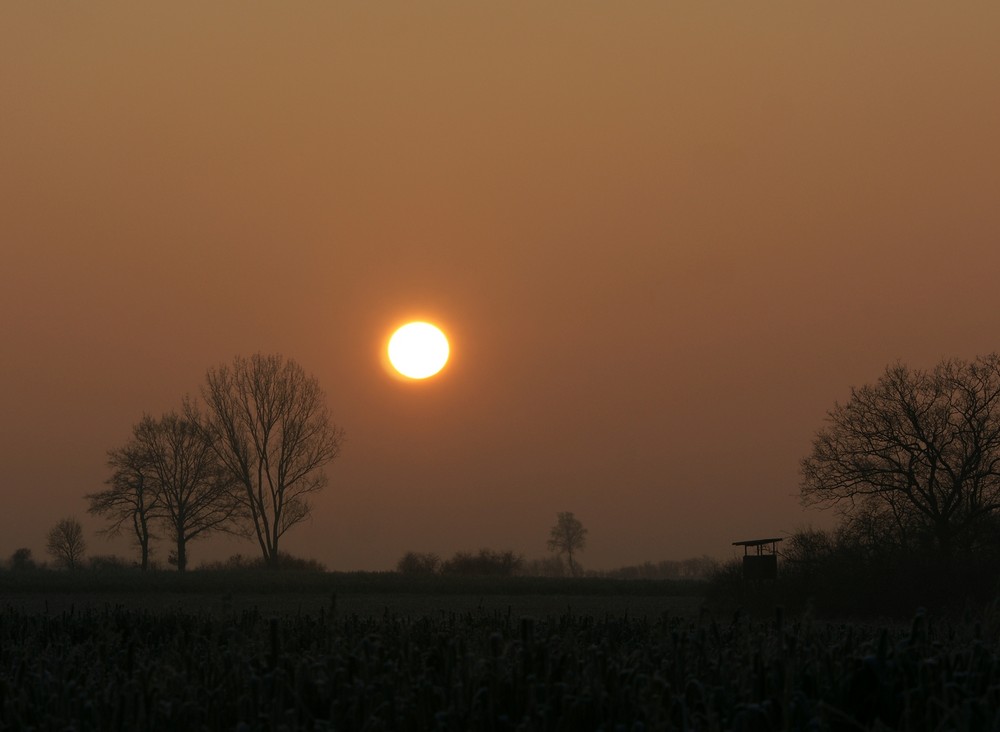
759, 543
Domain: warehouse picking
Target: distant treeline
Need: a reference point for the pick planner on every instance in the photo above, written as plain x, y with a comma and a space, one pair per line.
695, 568
488, 562
23, 561
481, 563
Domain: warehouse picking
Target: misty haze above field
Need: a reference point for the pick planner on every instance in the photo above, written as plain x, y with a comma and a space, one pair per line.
663, 239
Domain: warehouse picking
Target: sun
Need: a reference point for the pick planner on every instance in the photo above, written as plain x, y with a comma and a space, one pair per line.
418, 350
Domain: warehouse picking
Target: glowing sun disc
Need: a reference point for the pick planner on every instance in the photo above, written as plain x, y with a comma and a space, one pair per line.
418, 350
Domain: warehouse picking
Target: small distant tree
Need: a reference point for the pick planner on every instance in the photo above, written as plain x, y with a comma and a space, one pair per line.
21, 559
66, 544
566, 537
419, 563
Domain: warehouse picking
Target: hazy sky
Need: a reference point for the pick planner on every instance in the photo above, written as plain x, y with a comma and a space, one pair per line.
664, 238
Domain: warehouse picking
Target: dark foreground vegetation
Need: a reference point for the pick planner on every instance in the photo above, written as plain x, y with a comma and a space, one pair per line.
836, 642
882, 587
119, 668
833, 575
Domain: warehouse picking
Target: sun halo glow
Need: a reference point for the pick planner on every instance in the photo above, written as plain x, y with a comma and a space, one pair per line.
418, 350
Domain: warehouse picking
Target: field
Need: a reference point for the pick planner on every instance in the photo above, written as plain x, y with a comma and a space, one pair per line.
381, 652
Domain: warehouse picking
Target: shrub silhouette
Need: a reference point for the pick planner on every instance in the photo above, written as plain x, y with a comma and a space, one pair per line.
283, 562
486, 563
21, 560
419, 563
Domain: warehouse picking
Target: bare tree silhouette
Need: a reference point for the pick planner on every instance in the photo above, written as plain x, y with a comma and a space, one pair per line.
915, 455
66, 544
270, 427
196, 494
566, 537
132, 499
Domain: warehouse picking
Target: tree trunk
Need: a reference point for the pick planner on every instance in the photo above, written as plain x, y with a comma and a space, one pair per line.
144, 545
944, 535
181, 554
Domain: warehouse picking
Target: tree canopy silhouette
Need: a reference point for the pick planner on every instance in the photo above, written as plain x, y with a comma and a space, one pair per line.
131, 499
169, 474
269, 424
915, 457
197, 494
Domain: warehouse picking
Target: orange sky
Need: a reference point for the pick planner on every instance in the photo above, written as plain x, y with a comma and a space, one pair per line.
664, 237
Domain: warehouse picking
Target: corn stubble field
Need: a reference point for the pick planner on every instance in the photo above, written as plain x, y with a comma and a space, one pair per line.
440, 659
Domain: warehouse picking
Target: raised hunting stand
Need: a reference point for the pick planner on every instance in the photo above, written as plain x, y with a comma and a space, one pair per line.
762, 564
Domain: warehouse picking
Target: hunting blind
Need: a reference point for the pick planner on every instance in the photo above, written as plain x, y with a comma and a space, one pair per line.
761, 564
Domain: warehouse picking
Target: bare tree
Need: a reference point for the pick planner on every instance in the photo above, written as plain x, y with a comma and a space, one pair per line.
66, 544
566, 537
132, 499
271, 429
195, 493
917, 455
